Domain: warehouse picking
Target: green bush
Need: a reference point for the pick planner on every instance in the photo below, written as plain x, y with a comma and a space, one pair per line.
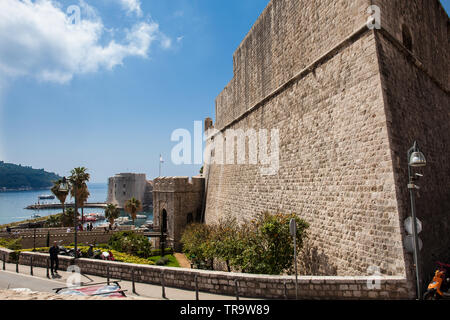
262, 246
131, 243
11, 244
198, 245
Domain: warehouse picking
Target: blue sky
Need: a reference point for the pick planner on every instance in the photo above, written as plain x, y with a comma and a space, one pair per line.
156, 66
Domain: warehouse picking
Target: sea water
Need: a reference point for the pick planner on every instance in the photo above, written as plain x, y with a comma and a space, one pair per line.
13, 204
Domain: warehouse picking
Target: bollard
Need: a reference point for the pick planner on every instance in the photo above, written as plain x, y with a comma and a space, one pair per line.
196, 287
31, 266
236, 285
163, 285
107, 274
17, 266
133, 281
48, 267
4, 262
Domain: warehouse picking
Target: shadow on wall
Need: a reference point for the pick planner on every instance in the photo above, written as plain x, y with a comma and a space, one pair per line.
314, 263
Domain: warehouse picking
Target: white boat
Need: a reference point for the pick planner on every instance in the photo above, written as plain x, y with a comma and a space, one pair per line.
46, 197
122, 220
141, 217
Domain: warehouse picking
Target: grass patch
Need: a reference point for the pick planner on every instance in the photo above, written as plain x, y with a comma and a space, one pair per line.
11, 244
172, 261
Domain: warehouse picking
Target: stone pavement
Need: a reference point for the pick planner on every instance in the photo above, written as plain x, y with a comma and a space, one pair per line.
9, 279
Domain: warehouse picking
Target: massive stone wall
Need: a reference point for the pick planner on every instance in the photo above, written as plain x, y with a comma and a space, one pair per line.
287, 37
416, 93
332, 89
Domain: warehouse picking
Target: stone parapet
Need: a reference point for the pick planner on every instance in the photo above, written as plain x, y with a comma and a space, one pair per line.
251, 286
179, 184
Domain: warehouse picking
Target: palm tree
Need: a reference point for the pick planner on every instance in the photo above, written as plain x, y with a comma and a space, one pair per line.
78, 180
54, 221
112, 212
83, 196
61, 195
133, 206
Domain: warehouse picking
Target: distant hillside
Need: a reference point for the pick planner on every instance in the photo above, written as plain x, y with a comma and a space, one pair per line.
18, 177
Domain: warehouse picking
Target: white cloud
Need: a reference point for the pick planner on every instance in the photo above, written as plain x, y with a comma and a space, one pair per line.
132, 6
37, 39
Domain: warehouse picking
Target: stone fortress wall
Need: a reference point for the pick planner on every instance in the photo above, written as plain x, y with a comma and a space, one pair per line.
348, 102
177, 201
124, 186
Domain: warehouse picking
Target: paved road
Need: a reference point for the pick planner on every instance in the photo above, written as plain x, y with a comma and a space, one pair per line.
10, 280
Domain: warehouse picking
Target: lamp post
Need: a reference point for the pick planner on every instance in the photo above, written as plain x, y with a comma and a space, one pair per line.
415, 159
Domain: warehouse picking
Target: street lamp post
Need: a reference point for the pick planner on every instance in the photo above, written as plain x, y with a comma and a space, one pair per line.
415, 159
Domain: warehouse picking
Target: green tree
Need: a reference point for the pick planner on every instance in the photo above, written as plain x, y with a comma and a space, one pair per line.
225, 242
112, 212
60, 195
54, 221
198, 245
78, 179
262, 246
131, 243
269, 248
133, 206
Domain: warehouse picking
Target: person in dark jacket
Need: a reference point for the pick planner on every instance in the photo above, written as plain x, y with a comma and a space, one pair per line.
54, 262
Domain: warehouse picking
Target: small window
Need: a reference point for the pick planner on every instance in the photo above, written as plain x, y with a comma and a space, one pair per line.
407, 38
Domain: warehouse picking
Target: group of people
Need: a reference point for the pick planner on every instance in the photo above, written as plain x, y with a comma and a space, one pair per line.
89, 227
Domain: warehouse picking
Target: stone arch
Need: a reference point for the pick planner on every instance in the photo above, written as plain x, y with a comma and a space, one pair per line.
164, 220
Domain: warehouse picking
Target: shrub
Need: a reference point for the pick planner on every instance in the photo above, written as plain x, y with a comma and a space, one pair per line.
263, 246
198, 245
131, 243
11, 244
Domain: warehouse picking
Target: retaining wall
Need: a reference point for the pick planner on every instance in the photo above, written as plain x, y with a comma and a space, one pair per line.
252, 286
63, 238
5, 254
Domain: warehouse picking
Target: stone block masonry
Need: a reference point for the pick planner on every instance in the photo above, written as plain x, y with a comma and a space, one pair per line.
251, 286
349, 102
177, 201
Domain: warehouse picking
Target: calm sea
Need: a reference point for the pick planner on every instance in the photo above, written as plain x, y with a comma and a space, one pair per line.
13, 204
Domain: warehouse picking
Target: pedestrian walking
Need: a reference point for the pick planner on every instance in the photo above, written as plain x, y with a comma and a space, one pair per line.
54, 261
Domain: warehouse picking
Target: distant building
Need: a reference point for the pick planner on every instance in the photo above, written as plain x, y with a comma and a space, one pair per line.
124, 186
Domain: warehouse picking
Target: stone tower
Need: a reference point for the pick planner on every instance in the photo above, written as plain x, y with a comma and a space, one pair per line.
348, 101
177, 202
